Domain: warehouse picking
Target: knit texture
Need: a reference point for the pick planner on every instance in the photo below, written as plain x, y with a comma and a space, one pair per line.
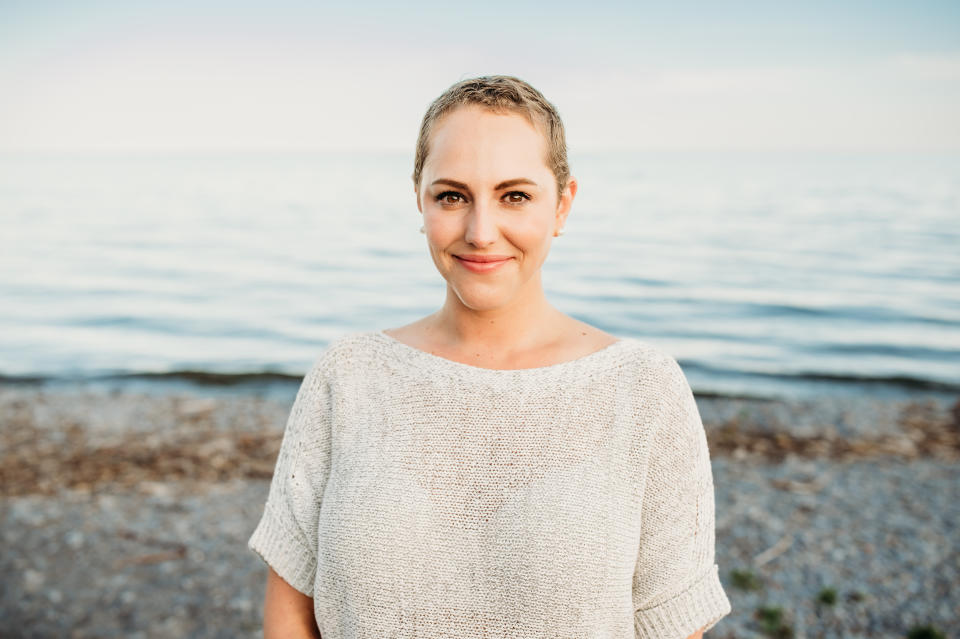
415, 496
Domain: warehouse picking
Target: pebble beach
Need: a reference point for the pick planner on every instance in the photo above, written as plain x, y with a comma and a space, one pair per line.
126, 514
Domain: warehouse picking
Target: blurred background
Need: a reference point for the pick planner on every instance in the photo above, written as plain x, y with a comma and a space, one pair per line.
196, 197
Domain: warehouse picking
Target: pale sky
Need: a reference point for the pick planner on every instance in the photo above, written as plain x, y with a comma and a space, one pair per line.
285, 75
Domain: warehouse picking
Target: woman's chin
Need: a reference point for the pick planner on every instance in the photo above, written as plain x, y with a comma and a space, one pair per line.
480, 300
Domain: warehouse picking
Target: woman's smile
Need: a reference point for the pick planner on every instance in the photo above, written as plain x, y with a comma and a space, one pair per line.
482, 263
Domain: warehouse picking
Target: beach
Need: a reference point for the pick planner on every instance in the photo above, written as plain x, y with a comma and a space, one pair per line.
127, 513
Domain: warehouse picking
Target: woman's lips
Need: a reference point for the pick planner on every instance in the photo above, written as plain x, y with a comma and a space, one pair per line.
482, 267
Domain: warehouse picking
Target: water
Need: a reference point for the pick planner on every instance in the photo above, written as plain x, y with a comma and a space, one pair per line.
764, 274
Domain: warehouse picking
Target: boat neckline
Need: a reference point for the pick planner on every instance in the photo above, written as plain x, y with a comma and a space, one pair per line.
598, 356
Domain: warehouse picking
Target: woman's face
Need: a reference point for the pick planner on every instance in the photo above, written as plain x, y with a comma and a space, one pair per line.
487, 192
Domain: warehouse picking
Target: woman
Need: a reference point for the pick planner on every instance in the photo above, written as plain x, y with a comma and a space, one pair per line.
497, 468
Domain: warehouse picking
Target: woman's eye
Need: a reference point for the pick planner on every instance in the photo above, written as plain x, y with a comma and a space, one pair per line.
516, 197
449, 197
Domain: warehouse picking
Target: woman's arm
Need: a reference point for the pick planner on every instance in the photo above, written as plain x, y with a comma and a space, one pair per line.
287, 612
697, 635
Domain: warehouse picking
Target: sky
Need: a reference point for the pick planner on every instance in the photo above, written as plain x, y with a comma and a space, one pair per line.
210, 75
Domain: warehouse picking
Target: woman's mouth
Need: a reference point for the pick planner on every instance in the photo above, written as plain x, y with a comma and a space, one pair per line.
482, 263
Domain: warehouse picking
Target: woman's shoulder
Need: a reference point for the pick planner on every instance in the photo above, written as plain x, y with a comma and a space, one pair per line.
653, 358
347, 347
655, 372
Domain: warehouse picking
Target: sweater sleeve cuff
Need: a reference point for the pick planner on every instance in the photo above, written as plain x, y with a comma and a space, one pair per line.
701, 605
284, 552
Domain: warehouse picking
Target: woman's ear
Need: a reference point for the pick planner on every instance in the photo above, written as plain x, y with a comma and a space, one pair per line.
566, 201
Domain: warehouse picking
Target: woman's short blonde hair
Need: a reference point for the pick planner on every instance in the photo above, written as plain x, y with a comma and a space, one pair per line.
499, 93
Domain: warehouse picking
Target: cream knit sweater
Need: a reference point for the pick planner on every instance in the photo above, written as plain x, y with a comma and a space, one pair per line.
415, 496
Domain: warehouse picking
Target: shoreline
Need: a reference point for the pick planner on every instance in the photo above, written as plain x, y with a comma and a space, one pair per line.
753, 385
85, 440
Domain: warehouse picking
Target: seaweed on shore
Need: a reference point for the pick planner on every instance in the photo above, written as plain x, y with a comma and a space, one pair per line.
40, 459
925, 431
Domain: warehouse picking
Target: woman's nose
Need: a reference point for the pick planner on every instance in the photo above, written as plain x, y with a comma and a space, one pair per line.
481, 225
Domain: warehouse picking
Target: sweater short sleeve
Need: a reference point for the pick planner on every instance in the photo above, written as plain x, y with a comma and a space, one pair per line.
676, 585
286, 536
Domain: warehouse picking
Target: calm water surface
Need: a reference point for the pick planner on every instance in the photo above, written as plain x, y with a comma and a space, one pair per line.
764, 274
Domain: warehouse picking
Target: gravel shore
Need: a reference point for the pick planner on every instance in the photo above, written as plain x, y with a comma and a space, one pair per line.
126, 514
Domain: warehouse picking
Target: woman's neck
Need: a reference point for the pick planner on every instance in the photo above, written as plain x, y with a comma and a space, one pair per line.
523, 324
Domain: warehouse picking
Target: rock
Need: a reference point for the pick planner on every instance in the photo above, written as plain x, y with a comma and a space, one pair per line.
32, 580
194, 408
74, 539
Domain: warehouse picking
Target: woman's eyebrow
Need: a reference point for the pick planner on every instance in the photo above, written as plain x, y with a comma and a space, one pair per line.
508, 183
453, 183
503, 185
